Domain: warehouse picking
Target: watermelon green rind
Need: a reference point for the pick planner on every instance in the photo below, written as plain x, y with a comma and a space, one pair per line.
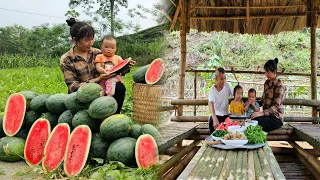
72, 103
153, 70
66, 117
99, 146
89, 92
30, 117
51, 117
55, 103
136, 131
153, 131
2, 134
11, 149
83, 118
85, 153
115, 127
119, 68
42, 144
55, 152
29, 95
103, 107
19, 113
141, 154
38, 104
139, 75
122, 150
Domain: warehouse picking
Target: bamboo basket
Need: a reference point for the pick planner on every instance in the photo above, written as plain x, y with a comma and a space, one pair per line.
146, 101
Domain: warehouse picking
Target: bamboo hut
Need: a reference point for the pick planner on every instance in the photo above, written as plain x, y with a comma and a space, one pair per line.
251, 17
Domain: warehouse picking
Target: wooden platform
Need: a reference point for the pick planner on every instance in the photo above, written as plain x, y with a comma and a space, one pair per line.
308, 132
173, 133
213, 163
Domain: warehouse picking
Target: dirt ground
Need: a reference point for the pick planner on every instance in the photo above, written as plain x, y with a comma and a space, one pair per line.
18, 171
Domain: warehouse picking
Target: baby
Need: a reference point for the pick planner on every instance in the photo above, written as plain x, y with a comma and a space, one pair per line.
236, 105
105, 61
251, 105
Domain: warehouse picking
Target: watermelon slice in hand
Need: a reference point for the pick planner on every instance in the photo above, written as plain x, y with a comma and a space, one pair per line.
119, 68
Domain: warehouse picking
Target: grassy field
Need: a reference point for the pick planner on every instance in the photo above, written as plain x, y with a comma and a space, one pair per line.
44, 80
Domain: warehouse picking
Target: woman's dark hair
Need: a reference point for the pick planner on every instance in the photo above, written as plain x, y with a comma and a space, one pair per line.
236, 88
271, 65
80, 30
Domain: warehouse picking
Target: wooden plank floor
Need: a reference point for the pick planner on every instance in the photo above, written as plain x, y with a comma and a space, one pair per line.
173, 133
308, 132
292, 168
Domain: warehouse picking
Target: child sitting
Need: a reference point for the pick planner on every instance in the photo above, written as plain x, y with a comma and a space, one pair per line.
236, 105
105, 62
251, 105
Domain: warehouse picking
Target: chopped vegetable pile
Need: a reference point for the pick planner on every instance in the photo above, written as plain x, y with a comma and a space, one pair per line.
219, 133
255, 135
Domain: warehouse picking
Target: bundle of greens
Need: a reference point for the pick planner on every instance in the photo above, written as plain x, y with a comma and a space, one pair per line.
219, 133
255, 135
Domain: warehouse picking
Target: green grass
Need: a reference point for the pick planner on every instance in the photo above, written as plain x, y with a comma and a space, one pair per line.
45, 81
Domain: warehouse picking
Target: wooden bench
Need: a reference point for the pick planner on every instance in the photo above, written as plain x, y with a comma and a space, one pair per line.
173, 133
213, 163
309, 133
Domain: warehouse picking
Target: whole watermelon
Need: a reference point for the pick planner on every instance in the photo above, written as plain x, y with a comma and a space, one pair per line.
11, 149
115, 127
153, 131
2, 134
72, 103
55, 103
83, 118
30, 117
29, 95
66, 117
89, 92
122, 150
103, 107
99, 146
52, 118
38, 104
136, 131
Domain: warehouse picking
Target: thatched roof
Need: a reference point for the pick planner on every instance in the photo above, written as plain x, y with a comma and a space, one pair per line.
244, 16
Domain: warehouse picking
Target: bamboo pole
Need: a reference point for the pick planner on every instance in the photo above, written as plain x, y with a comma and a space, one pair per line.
275, 168
313, 78
185, 174
196, 171
251, 171
247, 16
196, 6
239, 174
176, 159
252, 17
250, 72
205, 119
195, 92
251, 7
232, 168
286, 151
183, 42
219, 164
209, 158
244, 164
175, 171
287, 101
175, 16
257, 166
265, 165
309, 159
225, 168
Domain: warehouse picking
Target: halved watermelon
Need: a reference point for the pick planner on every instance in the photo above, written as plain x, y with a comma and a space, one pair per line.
117, 69
155, 71
146, 151
36, 141
56, 147
14, 114
77, 150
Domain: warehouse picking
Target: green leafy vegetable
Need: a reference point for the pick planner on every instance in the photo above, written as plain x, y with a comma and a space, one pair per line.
219, 133
255, 135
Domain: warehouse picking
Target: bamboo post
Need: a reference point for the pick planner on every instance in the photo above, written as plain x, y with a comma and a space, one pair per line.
239, 167
244, 164
313, 78
195, 93
257, 166
275, 168
247, 16
251, 171
183, 41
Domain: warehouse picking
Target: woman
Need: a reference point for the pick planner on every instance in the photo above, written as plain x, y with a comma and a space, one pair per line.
77, 65
273, 95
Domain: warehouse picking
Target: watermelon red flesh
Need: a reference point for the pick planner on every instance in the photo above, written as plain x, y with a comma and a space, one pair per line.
77, 150
36, 141
119, 67
146, 151
220, 127
14, 114
155, 71
55, 147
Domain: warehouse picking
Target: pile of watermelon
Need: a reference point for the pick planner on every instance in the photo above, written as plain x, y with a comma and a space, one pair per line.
73, 128
150, 74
